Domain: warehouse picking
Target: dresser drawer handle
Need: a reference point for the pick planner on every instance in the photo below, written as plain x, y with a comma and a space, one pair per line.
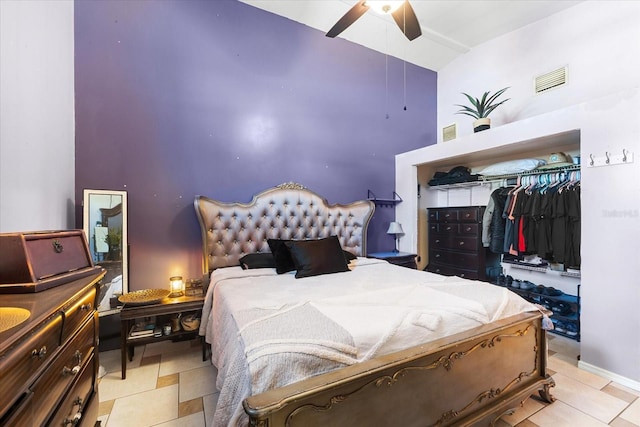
39, 354
73, 421
437, 240
74, 371
467, 229
86, 307
467, 215
437, 255
461, 243
57, 246
449, 228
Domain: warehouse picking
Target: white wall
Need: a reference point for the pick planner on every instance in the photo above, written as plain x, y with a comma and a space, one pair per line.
36, 115
600, 43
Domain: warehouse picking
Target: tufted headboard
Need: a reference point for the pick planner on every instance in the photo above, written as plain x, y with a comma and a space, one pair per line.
288, 211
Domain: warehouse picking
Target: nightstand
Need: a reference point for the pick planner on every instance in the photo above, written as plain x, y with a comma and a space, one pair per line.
403, 259
162, 311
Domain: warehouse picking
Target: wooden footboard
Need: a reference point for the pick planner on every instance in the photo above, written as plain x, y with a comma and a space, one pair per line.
471, 378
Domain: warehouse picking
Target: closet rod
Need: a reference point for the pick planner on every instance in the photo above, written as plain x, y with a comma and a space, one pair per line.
530, 173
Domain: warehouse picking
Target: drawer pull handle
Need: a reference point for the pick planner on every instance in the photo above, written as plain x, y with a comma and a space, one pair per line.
448, 228
73, 421
57, 246
437, 240
71, 371
39, 354
86, 307
468, 229
437, 255
461, 243
74, 371
467, 215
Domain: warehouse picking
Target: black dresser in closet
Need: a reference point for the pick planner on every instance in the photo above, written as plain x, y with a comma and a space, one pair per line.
455, 244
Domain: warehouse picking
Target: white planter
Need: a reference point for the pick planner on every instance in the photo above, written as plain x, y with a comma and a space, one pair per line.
482, 124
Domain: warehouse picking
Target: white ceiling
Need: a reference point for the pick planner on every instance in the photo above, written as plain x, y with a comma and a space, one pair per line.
449, 27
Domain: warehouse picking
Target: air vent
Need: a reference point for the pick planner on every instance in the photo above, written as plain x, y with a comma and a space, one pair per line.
449, 133
550, 80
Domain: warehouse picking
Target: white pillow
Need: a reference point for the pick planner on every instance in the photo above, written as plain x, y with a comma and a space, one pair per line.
512, 166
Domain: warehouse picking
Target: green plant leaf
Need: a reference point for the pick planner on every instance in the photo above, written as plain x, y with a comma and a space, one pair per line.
482, 107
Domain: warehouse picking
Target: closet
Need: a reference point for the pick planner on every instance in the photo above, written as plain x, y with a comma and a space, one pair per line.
476, 195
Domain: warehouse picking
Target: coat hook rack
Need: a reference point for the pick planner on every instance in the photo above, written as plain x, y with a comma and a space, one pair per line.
610, 159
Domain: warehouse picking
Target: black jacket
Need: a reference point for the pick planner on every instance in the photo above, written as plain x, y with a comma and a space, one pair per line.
497, 223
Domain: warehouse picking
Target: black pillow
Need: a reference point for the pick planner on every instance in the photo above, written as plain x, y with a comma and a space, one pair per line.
281, 255
315, 257
348, 256
257, 260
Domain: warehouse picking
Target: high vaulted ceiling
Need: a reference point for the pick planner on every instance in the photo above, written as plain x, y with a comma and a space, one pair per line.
449, 27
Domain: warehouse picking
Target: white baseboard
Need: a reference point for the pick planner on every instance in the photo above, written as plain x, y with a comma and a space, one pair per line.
627, 382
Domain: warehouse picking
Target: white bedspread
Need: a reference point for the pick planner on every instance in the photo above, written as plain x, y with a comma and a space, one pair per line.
268, 330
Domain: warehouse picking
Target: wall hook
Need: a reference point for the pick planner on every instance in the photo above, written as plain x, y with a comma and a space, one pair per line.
591, 163
606, 154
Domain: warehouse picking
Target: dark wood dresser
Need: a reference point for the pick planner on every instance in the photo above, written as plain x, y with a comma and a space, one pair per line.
455, 243
48, 344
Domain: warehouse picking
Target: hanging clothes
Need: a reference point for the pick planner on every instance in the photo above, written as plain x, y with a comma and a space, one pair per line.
539, 216
493, 225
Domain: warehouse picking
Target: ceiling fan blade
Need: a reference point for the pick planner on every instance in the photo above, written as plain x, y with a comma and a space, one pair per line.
349, 18
406, 19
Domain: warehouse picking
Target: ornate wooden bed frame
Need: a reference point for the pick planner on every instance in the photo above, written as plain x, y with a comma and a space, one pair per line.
471, 378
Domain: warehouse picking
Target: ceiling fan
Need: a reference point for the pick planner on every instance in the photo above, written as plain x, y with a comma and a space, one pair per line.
401, 11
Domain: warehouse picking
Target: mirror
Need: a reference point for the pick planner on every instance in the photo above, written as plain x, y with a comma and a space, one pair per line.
105, 225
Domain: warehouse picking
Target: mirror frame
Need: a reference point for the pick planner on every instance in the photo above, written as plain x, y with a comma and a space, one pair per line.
89, 221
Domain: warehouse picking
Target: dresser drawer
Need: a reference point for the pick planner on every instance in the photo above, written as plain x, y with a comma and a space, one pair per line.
469, 215
20, 365
461, 243
77, 312
58, 378
72, 410
470, 229
21, 414
447, 270
464, 260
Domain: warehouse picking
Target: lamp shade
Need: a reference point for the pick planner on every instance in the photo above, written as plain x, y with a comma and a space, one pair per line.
395, 228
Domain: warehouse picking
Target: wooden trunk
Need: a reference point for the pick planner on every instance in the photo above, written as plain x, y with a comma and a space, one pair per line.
33, 262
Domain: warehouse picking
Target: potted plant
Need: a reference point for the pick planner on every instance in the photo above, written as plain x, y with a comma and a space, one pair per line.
114, 239
481, 108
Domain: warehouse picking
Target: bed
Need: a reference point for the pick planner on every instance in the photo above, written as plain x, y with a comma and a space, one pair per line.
372, 343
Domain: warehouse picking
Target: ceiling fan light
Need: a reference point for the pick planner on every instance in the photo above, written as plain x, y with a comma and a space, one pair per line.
384, 7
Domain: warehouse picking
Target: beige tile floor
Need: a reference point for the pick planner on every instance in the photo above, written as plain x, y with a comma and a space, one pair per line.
169, 385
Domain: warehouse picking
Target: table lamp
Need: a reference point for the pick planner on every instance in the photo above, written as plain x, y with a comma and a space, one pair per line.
176, 286
396, 229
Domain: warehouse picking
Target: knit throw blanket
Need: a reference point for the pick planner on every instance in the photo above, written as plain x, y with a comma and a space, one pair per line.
311, 344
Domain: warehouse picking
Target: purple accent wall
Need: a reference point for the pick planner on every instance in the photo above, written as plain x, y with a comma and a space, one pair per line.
218, 98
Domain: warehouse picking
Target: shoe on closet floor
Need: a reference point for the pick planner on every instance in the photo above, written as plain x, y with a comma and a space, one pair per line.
527, 285
561, 308
571, 329
552, 292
